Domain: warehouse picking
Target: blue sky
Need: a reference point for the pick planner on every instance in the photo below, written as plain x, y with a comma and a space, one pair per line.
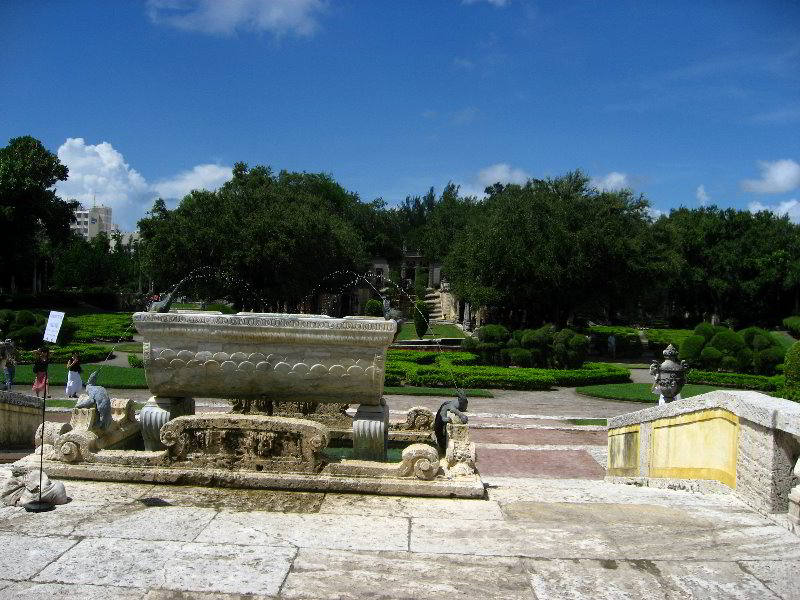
689, 103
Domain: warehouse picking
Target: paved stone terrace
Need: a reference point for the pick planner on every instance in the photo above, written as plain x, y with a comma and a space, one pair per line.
550, 527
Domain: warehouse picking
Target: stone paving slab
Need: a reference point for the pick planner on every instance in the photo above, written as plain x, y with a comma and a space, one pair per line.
574, 464
26, 590
233, 499
519, 538
397, 506
780, 576
403, 575
642, 579
21, 559
538, 436
173, 565
338, 532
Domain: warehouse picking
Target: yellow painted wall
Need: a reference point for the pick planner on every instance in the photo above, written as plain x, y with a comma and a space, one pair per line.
623, 451
700, 445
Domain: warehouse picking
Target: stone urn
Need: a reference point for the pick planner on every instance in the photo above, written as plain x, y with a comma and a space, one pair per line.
670, 375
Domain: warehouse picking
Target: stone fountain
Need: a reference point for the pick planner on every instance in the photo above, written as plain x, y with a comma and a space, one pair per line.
265, 363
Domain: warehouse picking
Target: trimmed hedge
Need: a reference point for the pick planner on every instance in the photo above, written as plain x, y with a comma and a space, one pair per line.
793, 325
444, 369
112, 327
135, 361
628, 342
735, 380
89, 353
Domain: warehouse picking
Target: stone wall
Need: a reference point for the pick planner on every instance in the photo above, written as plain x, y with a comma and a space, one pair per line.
746, 441
20, 415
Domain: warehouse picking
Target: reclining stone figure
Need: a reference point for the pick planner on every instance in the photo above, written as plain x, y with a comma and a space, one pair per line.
97, 397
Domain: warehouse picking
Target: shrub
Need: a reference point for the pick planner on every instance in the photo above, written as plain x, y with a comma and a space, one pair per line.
421, 318
744, 358
570, 349
27, 337
135, 361
761, 342
23, 318
489, 353
373, 308
765, 361
6, 317
691, 348
513, 343
539, 342
727, 342
470, 344
628, 342
793, 325
519, 357
749, 333
707, 330
710, 357
730, 364
735, 380
496, 334
792, 368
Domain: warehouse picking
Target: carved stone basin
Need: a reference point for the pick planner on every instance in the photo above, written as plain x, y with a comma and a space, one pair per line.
303, 358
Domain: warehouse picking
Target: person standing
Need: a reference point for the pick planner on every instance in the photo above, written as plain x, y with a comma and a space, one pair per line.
10, 364
40, 372
74, 382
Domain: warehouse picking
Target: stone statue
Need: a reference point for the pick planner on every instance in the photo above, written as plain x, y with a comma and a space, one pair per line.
457, 407
23, 487
97, 397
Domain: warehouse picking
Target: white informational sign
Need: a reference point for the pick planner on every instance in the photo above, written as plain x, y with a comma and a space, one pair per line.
53, 326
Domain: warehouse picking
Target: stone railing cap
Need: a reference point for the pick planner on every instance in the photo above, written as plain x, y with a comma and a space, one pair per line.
20, 399
773, 413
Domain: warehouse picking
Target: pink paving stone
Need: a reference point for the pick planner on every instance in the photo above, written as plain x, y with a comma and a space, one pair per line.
536, 437
551, 464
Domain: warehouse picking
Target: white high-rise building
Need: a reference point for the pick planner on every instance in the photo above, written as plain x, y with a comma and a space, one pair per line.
89, 222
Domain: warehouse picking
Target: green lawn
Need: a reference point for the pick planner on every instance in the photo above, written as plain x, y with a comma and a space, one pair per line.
602, 422
638, 392
109, 376
433, 391
127, 347
407, 332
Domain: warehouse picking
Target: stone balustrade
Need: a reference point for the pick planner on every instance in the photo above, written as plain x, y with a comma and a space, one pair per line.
20, 415
742, 441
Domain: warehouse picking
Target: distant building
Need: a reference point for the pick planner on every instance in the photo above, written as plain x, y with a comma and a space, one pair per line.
89, 222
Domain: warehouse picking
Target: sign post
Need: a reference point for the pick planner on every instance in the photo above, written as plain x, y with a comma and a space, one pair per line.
50, 335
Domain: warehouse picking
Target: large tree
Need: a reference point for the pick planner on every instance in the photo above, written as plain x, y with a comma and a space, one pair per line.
33, 218
263, 240
546, 248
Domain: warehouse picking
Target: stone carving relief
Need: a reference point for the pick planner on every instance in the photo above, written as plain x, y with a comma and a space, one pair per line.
246, 442
418, 418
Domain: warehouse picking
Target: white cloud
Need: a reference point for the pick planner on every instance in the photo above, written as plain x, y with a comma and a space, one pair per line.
492, 2
201, 177
701, 195
787, 207
429, 113
611, 182
496, 173
463, 63
99, 173
279, 17
502, 173
655, 213
776, 177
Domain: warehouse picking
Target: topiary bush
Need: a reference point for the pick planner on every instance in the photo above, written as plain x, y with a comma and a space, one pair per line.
761, 342
765, 361
6, 318
496, 334
710, 358
540, 343
27, 337
422, 316
23, 318
519, 357
135, 361
729, 364
744, 358
570, 349
690, 349
728, 342
707, 330
373, 308
469, 344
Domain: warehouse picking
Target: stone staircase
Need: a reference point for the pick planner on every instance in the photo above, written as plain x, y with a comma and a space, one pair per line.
433, 299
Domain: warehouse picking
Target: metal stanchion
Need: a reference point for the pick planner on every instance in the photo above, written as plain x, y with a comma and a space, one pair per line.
38, 505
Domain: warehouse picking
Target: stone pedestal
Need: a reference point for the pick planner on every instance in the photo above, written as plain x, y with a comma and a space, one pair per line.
371, 432
460, 451
156, 413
